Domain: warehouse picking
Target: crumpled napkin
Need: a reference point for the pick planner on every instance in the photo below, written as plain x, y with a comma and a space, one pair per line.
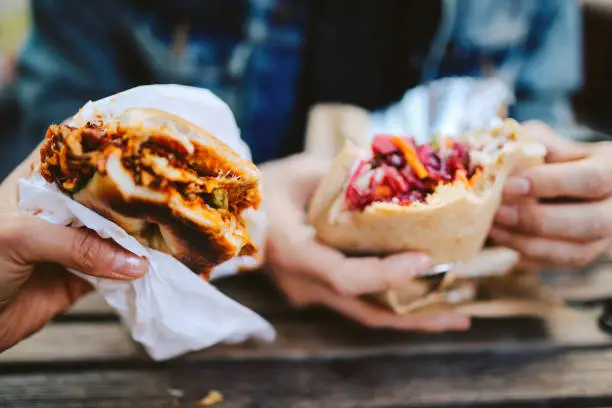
170, 310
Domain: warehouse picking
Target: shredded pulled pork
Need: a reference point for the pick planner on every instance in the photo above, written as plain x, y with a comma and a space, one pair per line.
71, 156
404, 173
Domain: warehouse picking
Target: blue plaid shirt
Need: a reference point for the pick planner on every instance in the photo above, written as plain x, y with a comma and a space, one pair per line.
106, 46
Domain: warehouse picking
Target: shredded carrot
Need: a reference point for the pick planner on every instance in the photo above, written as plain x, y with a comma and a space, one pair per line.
383, 191
411, 157
475, 177
461, 176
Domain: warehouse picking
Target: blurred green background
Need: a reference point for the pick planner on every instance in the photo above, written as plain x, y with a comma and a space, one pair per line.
14, 24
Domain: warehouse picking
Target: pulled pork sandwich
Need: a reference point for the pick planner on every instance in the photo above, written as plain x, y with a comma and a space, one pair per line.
170, 184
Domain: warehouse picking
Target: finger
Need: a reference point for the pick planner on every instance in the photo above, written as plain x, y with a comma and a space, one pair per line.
551, 251
371, 315
581, 222
559, 149
48, 292
526, 264
37, 241
579, 179
358, 276
303, 292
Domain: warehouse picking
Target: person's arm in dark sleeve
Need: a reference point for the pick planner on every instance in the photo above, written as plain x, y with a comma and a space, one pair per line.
551, 69
72, 56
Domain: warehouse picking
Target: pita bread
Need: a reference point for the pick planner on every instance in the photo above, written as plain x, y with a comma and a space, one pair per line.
450, 226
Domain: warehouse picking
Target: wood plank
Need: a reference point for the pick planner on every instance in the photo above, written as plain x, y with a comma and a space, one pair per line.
75, 342
91, 304
590, 285
97, 388
345, 340
579, 378
321, 335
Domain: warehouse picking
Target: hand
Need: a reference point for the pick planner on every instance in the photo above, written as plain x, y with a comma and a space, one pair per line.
34, 286
546, 230
309, 272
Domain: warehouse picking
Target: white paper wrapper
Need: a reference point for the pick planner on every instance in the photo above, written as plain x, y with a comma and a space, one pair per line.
171, 310
449, 107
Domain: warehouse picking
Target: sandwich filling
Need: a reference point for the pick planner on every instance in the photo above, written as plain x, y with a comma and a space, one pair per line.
401, 172
72, 156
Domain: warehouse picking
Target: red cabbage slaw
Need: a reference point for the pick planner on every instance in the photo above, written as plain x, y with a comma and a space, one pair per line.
403, 173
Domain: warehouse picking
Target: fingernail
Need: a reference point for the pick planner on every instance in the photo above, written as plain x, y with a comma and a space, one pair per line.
130, 266
517, 186
420, 263
499, 235
405, 267
422, 260
507, 215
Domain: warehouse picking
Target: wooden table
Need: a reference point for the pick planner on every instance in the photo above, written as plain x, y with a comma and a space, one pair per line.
86, 359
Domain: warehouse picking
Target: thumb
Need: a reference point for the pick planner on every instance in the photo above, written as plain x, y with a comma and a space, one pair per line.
560, 149
294, 178
35, 241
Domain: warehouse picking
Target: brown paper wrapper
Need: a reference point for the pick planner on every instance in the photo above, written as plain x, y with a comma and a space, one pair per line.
487, 286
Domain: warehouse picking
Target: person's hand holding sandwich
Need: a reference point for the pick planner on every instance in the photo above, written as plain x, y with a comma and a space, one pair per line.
34, 284
163, 182
312, 273
559, 214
